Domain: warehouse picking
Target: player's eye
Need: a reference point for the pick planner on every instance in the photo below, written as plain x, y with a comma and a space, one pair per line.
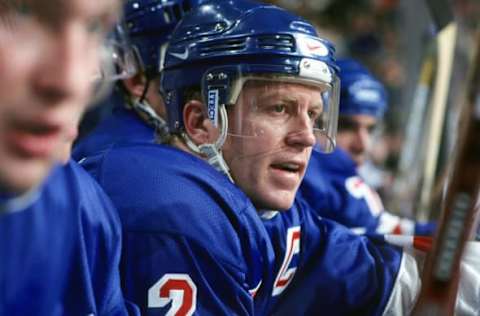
14, 13
345, 125
97, 26
371, 129
279, 108
314, 114
24, 9
15, 8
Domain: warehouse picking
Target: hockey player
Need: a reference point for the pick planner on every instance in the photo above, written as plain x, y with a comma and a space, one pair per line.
59, 245
138, 109
332, 185
247, 86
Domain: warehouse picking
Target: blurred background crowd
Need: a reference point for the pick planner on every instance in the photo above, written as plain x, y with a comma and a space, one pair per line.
392, 38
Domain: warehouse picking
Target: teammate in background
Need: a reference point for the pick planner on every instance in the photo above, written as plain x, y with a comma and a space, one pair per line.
138, 108
247, 87
60, 236
332, 185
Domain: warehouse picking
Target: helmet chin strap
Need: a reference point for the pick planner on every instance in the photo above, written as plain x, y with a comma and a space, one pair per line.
152, 118
212, 151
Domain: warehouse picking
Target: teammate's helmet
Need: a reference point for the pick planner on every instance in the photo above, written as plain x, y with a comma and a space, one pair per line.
360, 92
149, 24
222, 44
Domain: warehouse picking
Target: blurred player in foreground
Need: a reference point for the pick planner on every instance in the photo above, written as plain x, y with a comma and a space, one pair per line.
60, 244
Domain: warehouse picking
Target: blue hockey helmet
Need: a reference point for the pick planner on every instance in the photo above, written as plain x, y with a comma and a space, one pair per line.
360, 92
221, 45
149, 24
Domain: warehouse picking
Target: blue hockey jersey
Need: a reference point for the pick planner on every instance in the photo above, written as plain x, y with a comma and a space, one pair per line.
323, 266
59, 252
334, 190
122, 126
194, 244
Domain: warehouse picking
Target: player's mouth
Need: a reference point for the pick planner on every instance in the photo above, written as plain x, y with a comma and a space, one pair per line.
287, 172
34, 140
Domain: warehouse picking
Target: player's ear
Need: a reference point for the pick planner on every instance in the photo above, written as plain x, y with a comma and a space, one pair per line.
135, 85
197, 124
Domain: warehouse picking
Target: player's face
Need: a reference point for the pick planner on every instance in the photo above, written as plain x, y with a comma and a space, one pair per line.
269, 159
355, 134
49, 54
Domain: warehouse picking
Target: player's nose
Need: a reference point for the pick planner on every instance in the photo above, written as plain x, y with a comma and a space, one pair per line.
65, 65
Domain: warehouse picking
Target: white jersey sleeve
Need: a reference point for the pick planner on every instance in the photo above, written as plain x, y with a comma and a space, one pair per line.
407, 287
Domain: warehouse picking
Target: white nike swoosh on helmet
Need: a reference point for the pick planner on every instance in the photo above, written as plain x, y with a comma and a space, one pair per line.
182, 56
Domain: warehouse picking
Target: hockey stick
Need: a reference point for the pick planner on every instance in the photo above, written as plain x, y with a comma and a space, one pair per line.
443, 15
441, 271
410, 167
418, 160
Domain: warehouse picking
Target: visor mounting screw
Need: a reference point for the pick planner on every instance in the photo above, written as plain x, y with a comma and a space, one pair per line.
218, 27
169, 97
222, 76
209, 77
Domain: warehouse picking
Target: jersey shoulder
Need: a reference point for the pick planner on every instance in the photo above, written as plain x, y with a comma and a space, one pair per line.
93, 207
74, 220
122, 126
157, 188
325, 177
337, 162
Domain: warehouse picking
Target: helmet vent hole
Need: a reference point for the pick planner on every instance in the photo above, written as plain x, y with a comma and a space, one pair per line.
231, 45
277, 42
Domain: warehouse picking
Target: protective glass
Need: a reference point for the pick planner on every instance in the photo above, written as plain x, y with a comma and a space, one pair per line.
118, 59
117, 62
258, 105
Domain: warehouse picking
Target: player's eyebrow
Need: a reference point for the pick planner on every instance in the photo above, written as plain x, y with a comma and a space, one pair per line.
110, 14
317, 104
54, 11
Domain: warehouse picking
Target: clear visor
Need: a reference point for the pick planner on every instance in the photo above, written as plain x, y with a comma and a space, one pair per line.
117, 62
301, 109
